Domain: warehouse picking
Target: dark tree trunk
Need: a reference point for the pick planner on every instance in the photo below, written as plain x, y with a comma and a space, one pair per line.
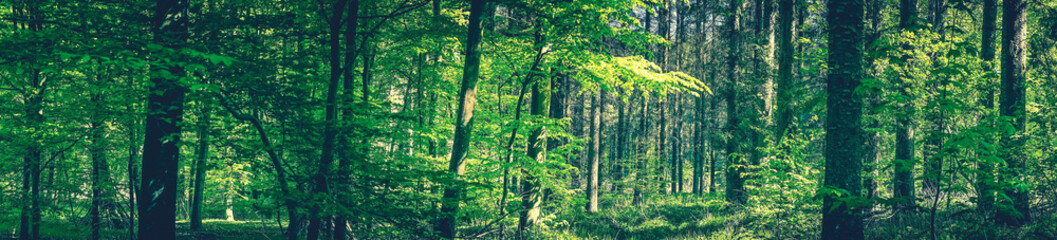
200, 169
784, 116
1013, 102
157, 210
359, 151
735, 166
100, 174
446, 226
903, 164
985, 195
843, 121
326, 160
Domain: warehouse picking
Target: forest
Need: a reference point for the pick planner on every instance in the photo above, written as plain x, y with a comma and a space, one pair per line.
528, 119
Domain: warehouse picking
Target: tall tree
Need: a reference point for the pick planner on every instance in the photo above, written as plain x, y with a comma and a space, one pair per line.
841, 220
985, 195
903, 165
200, 163
1013, 102
784, 115
446, 225
596, 139
934, 166
157, 195
326, 159
735, 160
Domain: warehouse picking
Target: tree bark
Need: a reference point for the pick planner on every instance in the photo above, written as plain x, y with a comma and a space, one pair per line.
735, 166
784, 115
200, 169
446, 226
322, 186
985, 195
157, 195
596, 139
1013, 102
903, 164
843, 121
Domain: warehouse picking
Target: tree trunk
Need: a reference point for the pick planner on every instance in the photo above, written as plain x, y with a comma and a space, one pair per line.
843, 121
446, 226
643, 141
100, 175
934, 165
596, 139
359, 151
784, 115
735, 166
903, 164
322, 186
676, 162
985, 196
1013, 102
200, 169
157, 195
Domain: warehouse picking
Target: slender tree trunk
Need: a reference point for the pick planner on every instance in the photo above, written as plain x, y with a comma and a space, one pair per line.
322, 186
621, 148
359, 151
161, 151
784, 116
446, 226
276, 160
843, 121
930, 185
1013, 102
699, 146
200, 168
676, 162
643, 136
985, 195
100, 174
903, 164
596, 139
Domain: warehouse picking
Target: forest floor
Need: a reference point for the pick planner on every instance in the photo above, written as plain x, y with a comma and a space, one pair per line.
660, 216
214, 229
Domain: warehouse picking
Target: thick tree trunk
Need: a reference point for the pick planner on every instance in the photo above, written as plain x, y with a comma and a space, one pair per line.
157, 210
735, 160
843, 121
1013, 102
446, 226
